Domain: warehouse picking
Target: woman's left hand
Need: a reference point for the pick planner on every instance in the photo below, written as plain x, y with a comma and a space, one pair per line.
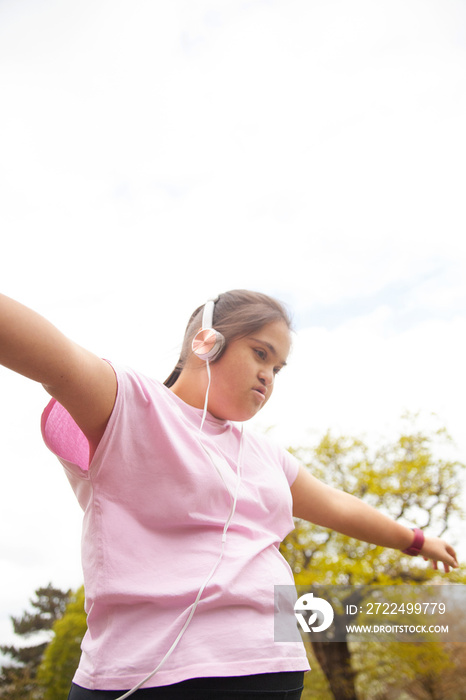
437, 550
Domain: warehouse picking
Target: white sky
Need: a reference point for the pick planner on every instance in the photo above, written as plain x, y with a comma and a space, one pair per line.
153, 154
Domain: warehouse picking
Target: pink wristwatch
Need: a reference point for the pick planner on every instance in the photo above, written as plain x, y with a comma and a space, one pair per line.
416, 544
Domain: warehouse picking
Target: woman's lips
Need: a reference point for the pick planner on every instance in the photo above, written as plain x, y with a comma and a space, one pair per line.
260, 392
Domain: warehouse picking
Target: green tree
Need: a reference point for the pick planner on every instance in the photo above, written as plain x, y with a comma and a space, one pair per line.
61, 657
18, 679
414, 479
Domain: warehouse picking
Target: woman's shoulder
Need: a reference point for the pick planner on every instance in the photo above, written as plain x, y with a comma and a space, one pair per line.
132, 381
137, 390
271, 448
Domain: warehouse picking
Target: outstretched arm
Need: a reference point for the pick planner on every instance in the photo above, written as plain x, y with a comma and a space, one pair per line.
328, 507
82, 382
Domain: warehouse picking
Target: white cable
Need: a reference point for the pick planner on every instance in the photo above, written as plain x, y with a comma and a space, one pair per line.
182, 631
238, 481
209, 378
224, 535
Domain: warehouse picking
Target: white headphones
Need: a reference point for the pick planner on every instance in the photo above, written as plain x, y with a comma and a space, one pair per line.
208, 343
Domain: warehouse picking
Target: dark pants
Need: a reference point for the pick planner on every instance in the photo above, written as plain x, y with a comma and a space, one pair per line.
263, 686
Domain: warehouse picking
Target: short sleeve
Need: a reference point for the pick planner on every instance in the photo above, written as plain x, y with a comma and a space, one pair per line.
290, 466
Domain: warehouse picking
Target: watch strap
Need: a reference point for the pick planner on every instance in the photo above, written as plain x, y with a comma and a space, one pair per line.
416, 544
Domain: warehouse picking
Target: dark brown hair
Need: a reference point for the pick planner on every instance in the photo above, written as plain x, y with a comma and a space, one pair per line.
236, 314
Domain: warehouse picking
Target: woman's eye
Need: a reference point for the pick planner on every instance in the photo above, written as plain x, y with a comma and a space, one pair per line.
261, 353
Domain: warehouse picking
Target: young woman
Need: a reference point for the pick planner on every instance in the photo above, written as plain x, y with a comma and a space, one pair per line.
184, 510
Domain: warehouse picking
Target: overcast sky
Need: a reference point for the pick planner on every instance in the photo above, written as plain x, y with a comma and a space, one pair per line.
154, 154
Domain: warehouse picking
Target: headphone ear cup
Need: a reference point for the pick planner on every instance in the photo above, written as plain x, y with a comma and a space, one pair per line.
207, 344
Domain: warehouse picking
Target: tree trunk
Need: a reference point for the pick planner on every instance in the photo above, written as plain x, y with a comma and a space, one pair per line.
335, 660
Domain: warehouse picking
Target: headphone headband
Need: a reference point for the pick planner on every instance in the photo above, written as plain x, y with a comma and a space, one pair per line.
208, 314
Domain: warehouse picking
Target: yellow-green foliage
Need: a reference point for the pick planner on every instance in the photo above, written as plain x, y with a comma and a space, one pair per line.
61, 657
409, 479
413, 479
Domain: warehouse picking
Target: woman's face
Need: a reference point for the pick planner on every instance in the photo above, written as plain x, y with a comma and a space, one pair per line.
243, 377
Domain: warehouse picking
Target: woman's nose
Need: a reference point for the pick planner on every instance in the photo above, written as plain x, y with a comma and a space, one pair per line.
267, 377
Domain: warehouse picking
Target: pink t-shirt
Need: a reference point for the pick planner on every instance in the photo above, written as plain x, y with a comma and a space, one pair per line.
154, 512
